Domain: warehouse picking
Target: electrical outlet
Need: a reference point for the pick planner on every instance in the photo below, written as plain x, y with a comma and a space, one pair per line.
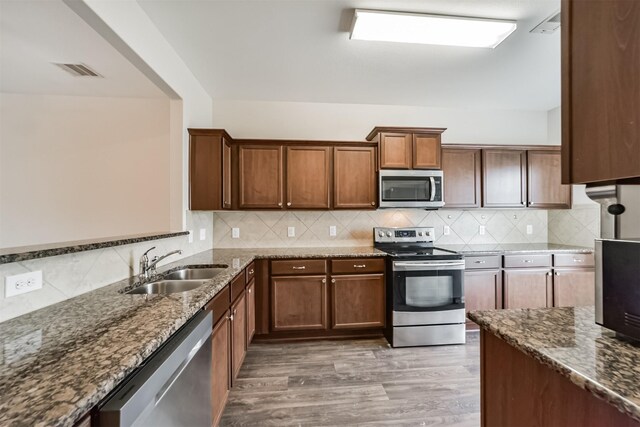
332, 231
203, 233
190, 236
529, 229
235, 233
482, 230
447, 230
22, 283
291, 232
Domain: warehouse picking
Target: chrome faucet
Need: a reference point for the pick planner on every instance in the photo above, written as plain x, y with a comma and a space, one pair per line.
148, 270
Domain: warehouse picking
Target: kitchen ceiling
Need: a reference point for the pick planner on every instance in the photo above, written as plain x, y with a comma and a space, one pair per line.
299, 50
35, 34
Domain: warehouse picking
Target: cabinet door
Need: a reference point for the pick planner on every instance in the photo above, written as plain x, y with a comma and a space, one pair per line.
461, 168
238, 335
543, 181
227, 198
205, 172
220, 367
260, 176
426, 151
298, 303
396, 150
358, 301
505, 174
251, 311
574, 287
527, 288
482, 290
354, 180
308, 177
600, 90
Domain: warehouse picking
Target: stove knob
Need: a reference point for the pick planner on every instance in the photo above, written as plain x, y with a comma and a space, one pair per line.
419, 233
381, 233
427, 233
388, 234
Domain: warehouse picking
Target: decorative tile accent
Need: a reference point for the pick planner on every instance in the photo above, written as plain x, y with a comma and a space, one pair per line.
579, 226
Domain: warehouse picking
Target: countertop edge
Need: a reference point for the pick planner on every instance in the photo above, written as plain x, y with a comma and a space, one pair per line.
623, 405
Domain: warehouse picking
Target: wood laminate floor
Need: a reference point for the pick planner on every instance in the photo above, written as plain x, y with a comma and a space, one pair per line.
357, 382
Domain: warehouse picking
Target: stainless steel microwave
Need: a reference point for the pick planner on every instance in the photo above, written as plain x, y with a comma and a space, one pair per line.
411, 189
618, 286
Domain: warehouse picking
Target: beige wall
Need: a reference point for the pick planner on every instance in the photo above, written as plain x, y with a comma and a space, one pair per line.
82, 167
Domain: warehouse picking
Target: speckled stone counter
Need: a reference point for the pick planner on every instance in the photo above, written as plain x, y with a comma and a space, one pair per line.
515, 248
568, 341
56, 363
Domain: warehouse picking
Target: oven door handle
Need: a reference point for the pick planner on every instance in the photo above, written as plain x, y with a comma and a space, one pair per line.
453, 265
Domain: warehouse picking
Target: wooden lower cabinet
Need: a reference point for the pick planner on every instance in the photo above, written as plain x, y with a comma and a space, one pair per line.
573, 287
358, 301
482, 291
251, 311
238, 334
298, 303
527, 287
220, 366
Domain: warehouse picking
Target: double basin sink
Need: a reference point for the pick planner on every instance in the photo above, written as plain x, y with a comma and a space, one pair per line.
182, 280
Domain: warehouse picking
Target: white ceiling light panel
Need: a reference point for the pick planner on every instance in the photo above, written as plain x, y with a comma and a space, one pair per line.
444, 30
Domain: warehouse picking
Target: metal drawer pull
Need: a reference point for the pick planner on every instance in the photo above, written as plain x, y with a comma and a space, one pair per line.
556, 273
527, 260
480, 262
298, 268
324, 281
359, 265
251, 271
578, 260
333, 280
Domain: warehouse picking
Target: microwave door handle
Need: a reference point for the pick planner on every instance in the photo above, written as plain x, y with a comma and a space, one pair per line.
433, 188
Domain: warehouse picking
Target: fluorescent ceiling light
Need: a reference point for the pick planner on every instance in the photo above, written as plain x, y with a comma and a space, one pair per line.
429, 29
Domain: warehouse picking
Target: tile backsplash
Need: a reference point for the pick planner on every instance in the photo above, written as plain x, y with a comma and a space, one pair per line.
66, 276
579, 226
354, 228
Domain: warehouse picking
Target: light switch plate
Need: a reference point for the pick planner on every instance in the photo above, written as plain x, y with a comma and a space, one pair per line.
447, 230
529, 229
482, 230
332, 231
235, 233
203, 233
22, 283
291, 231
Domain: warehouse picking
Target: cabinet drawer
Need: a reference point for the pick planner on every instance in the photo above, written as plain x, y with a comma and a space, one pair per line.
573, 260
237, 286
219, 304
482, 262
357, 265
250, 272
523, 261
298, 266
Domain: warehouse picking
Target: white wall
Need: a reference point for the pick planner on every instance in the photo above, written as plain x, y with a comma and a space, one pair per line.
77, 167
298, 120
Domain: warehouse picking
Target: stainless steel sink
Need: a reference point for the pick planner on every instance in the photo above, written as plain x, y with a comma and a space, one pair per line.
195, 273
167, 287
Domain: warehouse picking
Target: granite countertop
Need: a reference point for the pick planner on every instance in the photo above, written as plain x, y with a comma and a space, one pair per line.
569, 341
514, 248
56, 363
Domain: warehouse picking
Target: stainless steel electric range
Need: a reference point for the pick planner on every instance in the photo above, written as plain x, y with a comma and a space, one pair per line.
425, 288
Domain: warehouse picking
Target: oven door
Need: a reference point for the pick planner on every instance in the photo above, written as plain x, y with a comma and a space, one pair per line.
410, 189
428, 292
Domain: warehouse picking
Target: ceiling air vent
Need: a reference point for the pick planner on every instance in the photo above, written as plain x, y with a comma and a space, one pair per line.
549, 25
78, 70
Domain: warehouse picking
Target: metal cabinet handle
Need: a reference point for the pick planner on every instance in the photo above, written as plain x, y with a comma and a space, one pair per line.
556, 273
230, 317
548, 273
226, 203
333, 280
234, 311
480, 262
288, 203
527, 260
250, 290
251, 271
373, 203
578, 260
359, 265
324, 281
279, 203
299, 268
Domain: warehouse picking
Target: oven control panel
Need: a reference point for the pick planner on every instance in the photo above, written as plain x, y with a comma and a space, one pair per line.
404, 235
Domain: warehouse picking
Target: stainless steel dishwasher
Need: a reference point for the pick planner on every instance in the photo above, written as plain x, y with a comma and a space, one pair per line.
173, 387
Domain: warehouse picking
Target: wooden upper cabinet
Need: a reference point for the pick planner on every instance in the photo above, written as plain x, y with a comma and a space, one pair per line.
600, 90
354, 178
543, 181
461, 168
504, 178
308, 177
260, 176
426, 151
206, 177
396, 150
408, 148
